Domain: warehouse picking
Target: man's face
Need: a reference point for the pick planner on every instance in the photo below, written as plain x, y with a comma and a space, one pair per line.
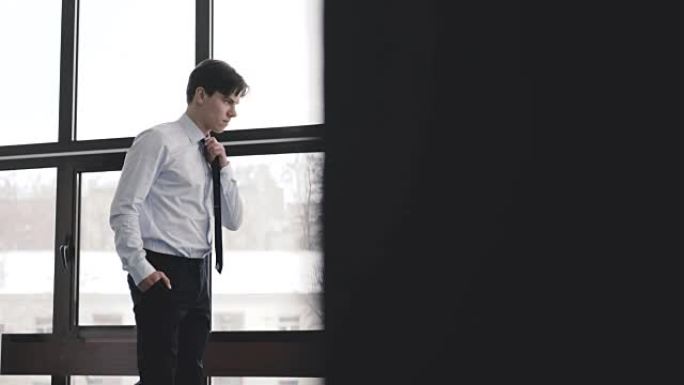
218, 109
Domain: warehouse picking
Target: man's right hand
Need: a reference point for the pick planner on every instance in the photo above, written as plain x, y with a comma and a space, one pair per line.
151, 279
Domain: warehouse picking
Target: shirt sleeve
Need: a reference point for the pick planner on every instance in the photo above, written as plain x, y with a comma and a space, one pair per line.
231, 202
141, 167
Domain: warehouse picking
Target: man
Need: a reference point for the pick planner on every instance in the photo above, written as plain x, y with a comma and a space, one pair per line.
161, 215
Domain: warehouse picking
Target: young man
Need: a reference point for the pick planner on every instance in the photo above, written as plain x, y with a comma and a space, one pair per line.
162, 220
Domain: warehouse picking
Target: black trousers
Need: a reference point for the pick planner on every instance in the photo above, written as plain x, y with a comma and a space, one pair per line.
173, 325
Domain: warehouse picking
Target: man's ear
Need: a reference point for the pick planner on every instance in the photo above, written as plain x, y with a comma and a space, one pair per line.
200, 94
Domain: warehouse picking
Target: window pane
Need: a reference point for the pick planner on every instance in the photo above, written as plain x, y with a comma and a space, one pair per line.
29, 71
277, 46
104, 380
272, 275
27, 260
25, 380
266, 381
104, 295
131, 78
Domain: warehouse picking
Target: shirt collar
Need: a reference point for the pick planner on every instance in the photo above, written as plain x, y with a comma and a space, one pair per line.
190, 128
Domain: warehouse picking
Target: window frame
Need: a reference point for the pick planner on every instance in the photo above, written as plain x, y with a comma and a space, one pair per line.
110, 350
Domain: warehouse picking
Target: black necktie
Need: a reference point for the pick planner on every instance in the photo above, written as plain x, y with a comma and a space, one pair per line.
218, 242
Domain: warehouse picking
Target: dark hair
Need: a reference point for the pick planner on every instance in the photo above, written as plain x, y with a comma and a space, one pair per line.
215, 75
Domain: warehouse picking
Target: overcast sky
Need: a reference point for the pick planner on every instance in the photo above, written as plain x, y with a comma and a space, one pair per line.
134, 62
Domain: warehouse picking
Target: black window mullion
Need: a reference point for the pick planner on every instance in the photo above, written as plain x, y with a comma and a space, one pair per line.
61, 380
66, 178
67, 74
65, 303
204, 29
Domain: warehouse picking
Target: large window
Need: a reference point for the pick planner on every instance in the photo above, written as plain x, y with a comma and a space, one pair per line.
273, 271
277, 45
27, 205
131, 78
29, 70
272, 277
82, 79
27, 232
104, 296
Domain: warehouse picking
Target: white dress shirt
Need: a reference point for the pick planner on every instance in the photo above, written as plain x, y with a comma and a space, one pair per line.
163, 201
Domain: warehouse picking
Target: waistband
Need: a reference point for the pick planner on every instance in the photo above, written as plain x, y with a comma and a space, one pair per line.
173, 258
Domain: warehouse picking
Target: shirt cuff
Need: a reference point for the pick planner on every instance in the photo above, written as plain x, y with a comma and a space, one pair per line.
141, 270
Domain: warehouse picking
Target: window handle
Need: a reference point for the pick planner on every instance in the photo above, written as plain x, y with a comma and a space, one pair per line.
64, 253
